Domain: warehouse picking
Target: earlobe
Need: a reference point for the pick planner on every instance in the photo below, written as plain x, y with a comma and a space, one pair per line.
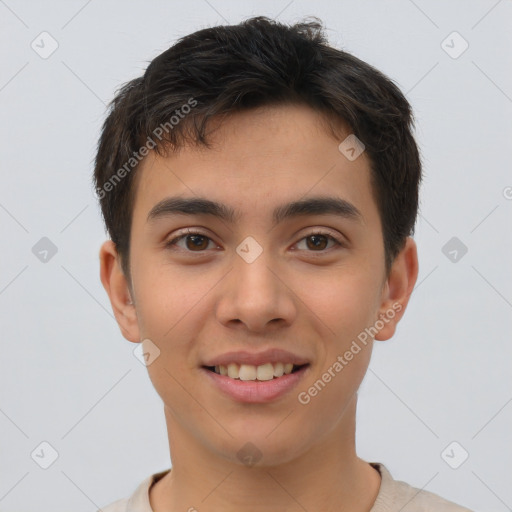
397, 290
116, 286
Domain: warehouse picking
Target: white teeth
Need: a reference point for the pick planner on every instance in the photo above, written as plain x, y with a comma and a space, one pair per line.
278, 369
247, 372
265, 371
233, 370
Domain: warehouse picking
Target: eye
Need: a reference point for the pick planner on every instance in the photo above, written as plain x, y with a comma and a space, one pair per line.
198, 241
318, 240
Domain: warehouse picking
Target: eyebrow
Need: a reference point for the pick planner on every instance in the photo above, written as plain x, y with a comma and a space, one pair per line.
322, 205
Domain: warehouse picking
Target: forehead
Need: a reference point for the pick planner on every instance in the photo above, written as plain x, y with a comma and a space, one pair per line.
257, 162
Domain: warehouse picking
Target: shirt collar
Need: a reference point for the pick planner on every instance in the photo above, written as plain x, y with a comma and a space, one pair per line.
139, 500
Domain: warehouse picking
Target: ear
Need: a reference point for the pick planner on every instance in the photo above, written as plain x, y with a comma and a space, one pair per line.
397, 289
116, 286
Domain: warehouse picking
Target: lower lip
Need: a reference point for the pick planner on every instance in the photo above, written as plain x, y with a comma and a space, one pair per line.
255, 391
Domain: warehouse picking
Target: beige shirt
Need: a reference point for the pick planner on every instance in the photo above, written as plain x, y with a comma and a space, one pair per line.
394, 496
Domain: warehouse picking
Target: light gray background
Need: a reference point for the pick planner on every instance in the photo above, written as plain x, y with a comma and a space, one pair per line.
70, 379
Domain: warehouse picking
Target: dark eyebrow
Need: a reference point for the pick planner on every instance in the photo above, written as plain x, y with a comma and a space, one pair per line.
323, 205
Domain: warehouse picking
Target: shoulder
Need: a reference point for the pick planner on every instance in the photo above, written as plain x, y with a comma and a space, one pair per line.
396, 495
411, 499
139, 500
116, 506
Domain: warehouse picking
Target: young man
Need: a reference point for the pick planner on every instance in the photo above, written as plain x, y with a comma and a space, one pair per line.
260, 189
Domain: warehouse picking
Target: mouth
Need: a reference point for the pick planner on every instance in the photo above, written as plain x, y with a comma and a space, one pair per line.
261, 384
264, 372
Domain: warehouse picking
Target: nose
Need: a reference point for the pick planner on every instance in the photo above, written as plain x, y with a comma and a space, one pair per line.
256, 295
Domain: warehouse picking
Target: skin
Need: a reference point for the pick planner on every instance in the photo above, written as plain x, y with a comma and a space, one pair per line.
196, 305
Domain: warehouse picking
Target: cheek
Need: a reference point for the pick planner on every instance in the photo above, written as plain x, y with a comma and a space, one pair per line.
346, 302
165, 308
171, 308
349, 307
165, 298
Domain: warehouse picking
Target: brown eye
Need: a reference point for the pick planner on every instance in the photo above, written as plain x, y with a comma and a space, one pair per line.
196, 242
193, 242
318, 242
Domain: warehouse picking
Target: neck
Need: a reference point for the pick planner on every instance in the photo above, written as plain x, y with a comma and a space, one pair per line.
326, 475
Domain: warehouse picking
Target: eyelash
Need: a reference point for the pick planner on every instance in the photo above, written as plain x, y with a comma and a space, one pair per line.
170, 244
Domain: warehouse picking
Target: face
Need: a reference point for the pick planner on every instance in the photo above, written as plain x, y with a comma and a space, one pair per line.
305, 281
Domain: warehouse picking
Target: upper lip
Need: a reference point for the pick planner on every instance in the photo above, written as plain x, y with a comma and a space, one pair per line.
274, 355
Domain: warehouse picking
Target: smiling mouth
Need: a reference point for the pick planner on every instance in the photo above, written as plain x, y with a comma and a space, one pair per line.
260, 373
